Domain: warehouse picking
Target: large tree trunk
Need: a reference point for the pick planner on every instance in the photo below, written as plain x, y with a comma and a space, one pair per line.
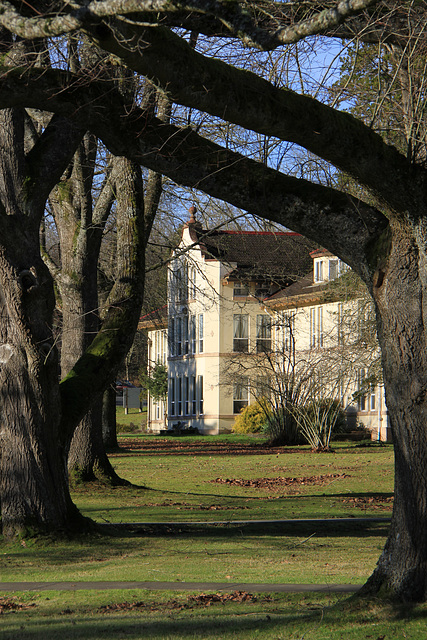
400, 294
33, 483
33, 486
87, 460
80, 230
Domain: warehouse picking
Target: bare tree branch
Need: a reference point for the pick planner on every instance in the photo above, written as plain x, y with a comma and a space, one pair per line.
239, 20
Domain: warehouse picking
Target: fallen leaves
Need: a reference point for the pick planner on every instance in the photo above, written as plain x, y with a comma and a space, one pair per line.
273, 484
201, 600
179, 446
12, 604
370, 502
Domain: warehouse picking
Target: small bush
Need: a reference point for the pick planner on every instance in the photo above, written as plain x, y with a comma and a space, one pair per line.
251, 419
282, 429
128, 428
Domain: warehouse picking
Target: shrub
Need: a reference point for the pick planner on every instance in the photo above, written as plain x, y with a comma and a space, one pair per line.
282, 428
319, 419
251, 419
128, 428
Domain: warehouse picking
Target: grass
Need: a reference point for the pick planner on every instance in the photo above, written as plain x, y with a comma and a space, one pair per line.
134, 416
184, 488
305, 553
181, 488
165, 615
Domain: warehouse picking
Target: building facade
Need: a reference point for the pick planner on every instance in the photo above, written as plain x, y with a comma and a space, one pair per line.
242, 308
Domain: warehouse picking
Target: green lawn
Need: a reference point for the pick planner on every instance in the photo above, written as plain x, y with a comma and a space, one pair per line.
184, 487
216, 482
137, 615
134, 416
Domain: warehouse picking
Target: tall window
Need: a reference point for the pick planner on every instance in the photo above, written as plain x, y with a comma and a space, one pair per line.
316, 327
318, 271
192, 283
186, 396
320, 326
333, 269
179, 394
172, 346
185, 334
201, 333
178, 341
240, 394
164, 345
200, 393
372, 398
181, 284
193, 395
288, 332
172, 396
263, 333
361, 386
241, 333
192, 334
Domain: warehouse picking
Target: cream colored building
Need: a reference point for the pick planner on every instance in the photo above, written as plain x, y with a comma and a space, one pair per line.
238, 302
332, 333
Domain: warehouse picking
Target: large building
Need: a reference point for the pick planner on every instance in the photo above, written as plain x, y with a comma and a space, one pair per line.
244, 307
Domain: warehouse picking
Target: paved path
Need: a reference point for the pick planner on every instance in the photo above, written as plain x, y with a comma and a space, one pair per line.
179, 586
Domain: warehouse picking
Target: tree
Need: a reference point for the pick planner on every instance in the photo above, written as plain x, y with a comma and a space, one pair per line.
39, 417
156, 383
381, 233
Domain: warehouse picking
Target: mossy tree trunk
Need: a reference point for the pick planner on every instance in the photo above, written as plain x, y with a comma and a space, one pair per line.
80, 225
33, 483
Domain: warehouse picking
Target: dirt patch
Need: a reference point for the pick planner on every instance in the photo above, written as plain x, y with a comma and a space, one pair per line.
275, 484
385, 503
191, 602
8, 605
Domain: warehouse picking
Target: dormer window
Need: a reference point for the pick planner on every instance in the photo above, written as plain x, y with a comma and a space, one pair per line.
333, 269
240, 289
327, 269
318, 271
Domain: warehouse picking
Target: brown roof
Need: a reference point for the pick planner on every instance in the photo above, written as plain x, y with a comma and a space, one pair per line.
303, 292
260, 255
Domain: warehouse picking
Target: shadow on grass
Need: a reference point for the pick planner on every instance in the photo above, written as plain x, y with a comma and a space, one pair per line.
219, 626
281, 619
331, 529
115, 540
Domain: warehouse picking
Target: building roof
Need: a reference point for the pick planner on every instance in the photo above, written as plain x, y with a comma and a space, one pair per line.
157, 319
302, 293
258, 255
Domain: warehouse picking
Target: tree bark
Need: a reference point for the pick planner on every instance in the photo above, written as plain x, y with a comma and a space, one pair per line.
109, 424
400, 288
33, 483
80, 229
